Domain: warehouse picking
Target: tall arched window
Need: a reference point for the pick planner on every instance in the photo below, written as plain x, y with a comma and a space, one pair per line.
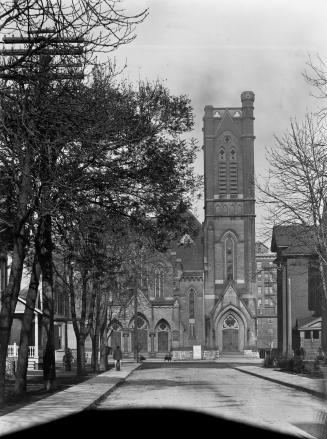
191, 308
158, 282
222, 177
229, 257
191, 303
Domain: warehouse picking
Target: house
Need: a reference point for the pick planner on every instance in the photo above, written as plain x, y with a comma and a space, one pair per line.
299, 288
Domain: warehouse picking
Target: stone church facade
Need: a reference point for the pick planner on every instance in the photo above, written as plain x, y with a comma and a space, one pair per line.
202, 292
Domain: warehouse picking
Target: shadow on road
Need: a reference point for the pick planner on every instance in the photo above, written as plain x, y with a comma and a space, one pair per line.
136, 422
189, 365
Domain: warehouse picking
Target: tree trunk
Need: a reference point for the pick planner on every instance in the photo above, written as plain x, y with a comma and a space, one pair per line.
81, 356
8, 304
79, 330
103, 337
103, 353
45, 257
96, 340
10, 294
22, 362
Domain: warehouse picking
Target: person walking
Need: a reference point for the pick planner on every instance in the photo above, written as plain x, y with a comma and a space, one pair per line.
117, 357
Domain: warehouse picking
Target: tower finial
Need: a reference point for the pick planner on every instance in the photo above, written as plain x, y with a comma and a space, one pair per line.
247, 96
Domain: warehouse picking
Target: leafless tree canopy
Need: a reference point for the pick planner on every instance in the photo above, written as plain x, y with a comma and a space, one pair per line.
295, 190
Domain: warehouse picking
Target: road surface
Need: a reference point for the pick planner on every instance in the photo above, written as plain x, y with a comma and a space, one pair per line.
220, 390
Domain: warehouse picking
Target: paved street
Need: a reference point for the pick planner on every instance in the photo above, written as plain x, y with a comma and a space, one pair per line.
218, 389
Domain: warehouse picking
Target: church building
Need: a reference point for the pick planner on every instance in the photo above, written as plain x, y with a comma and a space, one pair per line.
203, 291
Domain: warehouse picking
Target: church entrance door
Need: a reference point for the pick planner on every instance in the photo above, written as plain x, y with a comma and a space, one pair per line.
230, 340
230, 333
142, 340
162, 341
162, 330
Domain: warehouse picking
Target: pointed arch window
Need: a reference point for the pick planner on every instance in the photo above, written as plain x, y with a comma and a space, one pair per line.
233, 177
191, 304
229, 257
158, 282
222, 175
222, 156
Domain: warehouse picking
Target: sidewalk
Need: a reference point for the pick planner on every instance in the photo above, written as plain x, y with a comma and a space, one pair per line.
73, 400
315, 386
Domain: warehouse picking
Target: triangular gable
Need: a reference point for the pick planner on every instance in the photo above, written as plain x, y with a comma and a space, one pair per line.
227, 123
230, 298
141, 300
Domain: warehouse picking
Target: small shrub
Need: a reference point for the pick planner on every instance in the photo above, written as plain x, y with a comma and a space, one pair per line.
284, 363
298, 365
269, 361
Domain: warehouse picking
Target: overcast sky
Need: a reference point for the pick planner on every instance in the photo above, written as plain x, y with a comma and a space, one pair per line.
212, 50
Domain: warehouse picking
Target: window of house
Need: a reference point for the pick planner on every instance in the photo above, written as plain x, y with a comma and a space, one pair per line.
259, 265
266, 302
315, 334
259, 291
307, 335
259, 303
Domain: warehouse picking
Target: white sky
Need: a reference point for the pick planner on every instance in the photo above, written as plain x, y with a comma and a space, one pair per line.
212, 50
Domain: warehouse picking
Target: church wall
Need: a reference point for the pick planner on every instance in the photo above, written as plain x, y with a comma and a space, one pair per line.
184, 313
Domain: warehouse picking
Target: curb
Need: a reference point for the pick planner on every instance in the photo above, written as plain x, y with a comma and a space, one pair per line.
293, 386
107, 393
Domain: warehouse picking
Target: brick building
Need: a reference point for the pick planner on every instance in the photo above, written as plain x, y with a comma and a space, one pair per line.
266, 298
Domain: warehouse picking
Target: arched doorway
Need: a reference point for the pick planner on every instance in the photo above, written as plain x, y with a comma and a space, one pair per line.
230, 334
162, 330
142, 334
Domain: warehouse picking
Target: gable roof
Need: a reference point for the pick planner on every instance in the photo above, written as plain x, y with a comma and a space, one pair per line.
308, 323
191, 253
293, 240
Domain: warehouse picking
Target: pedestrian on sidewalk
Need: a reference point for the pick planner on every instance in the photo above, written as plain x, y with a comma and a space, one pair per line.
117, 357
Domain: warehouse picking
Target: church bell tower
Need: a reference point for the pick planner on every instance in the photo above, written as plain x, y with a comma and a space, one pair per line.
229, 226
